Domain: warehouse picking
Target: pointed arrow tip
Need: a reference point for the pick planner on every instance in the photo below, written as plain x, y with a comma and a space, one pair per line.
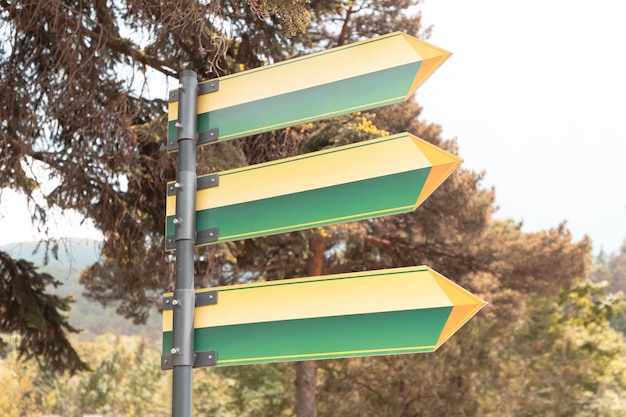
464, 306
443, 165
432, 58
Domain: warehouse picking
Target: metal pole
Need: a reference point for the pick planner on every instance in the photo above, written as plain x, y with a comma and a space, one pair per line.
185, 221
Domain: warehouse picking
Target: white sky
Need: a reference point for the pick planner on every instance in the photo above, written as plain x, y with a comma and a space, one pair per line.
16, 225
535, 93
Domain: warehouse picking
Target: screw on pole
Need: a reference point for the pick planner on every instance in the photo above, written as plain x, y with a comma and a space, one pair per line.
182, 331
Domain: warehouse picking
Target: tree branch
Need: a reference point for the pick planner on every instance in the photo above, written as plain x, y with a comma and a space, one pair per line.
119, 45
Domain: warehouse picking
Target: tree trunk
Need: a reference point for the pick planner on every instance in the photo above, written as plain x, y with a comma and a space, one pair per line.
306, 378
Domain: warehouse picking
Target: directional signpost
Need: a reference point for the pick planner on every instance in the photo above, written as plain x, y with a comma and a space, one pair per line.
359, 76
393, 311
389, 175
366, 313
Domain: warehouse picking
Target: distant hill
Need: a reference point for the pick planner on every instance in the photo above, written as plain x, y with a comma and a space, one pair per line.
73, 256
77, 253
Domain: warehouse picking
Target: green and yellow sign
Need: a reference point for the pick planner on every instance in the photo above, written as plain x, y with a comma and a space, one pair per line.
393, 311
359, 76
389, 175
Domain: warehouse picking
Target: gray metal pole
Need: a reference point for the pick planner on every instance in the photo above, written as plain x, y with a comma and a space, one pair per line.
185, 221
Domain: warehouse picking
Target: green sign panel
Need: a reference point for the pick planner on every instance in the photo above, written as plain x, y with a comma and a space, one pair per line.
389, 175
394, 311
359, 76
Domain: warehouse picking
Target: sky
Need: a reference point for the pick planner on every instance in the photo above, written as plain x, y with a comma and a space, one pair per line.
535, 95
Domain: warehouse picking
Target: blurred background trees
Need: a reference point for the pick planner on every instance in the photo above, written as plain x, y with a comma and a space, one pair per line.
84, 129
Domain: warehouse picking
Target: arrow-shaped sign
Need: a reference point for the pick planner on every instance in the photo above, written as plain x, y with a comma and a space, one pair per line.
389, 175
359, 76
393, 311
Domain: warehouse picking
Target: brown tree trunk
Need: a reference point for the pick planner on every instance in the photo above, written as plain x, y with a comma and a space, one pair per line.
306, 378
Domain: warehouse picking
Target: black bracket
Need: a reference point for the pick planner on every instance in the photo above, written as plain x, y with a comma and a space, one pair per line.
206, 298
205, 358
203, 298
207, 181
167, 302
207, 236
166, 362
207, 136
202, 183
203, 237
172, 145
201, 359
209, 86
203, 88
204, 137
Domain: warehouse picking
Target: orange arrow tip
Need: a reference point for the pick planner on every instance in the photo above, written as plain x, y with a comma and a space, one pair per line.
459, 315
426, 50
465, 305
432, 58
443, 164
